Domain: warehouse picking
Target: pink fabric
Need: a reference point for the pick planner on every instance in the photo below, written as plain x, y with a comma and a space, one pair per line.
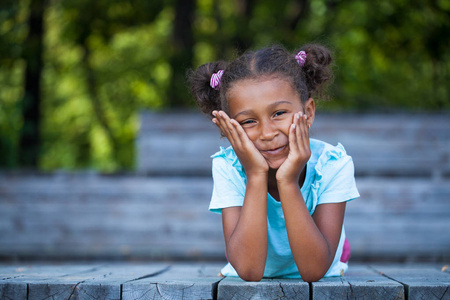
301, 58
215, 80
345, 251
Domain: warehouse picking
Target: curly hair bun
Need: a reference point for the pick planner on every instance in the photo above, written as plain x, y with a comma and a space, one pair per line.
208, 98
317, 68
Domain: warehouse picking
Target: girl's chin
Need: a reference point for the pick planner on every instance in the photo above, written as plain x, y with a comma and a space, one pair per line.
275, 165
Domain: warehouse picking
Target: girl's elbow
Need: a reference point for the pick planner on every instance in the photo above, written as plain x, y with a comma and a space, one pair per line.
251, 275
313, 276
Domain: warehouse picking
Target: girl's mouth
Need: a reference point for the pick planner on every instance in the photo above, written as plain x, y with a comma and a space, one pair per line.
275, 151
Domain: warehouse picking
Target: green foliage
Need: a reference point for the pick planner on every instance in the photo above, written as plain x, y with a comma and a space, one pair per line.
106, 60
12, 34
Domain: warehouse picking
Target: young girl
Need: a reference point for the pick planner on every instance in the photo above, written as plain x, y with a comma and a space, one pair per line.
281, 194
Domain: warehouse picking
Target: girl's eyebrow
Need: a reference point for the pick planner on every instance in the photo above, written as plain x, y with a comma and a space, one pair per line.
271, 106
244, 112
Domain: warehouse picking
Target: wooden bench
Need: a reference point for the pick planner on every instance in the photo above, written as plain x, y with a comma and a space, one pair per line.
200, 281
406, 145
88, 216
160, 211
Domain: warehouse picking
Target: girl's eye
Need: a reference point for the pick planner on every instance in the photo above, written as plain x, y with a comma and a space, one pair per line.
247, 122
279, 113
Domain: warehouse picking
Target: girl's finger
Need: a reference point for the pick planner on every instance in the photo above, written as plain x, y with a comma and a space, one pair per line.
221, 123
305, 132
218, 122
242, 135
232, 134
230, 127
293, 136
304, 142
293, 145
299, 131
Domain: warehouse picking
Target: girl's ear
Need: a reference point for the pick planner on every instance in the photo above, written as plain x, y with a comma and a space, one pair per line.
310, 110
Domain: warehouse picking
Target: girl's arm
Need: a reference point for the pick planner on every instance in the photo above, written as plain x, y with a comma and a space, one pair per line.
245, 231
313, 240
245, 228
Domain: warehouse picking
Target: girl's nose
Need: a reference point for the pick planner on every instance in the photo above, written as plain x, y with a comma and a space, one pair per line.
268, 131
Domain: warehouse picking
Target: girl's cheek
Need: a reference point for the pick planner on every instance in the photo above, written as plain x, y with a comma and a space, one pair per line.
287, 125
251, 135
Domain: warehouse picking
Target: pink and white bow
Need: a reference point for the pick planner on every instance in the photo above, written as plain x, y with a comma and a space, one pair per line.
215, 80
301, 58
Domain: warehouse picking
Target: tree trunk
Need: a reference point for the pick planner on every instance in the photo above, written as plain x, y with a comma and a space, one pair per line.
183, 44
30, 139
243, 39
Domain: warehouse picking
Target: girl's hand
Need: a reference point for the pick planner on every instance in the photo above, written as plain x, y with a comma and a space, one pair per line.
299, 150
250, 158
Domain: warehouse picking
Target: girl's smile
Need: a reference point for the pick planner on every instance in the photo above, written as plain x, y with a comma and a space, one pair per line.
265, 110
275, 151
279, 153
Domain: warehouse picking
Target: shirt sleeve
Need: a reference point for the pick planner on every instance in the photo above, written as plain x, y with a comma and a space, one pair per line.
339, 183
229, 186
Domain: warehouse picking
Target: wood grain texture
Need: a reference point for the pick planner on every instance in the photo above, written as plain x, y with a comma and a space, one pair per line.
236, 288
421, 282
13, 291
93, 216
200, 281
402, 169
360, 282
101, 282
400, 218
15, 280
108, 283
181, 281
393, 145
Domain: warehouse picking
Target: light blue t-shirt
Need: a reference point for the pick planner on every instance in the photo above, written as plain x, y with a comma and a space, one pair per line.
329, 179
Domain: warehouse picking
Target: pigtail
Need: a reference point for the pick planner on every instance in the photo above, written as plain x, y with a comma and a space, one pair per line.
207, 97
317, 69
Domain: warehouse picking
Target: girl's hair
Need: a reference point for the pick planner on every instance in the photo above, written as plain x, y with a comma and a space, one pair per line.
308, 80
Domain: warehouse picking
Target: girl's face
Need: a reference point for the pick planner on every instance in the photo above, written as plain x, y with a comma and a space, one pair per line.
265, 110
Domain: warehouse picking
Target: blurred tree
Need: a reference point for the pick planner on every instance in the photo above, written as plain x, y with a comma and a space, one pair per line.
182, 52
12, 35
29, 140
103, 61
91, 26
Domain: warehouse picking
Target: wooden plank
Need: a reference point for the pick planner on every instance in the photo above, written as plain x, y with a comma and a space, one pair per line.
421, 282
330, 288
413, 211
11, 287
366, 284
181, 281
109, 285
13, 291
236, 288
140, 217
15, 279
96, 283
379, 144
200, 281
360, 282
41, 204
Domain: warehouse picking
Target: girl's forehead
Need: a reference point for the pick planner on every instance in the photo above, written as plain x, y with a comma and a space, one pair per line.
272, 85
248, 93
